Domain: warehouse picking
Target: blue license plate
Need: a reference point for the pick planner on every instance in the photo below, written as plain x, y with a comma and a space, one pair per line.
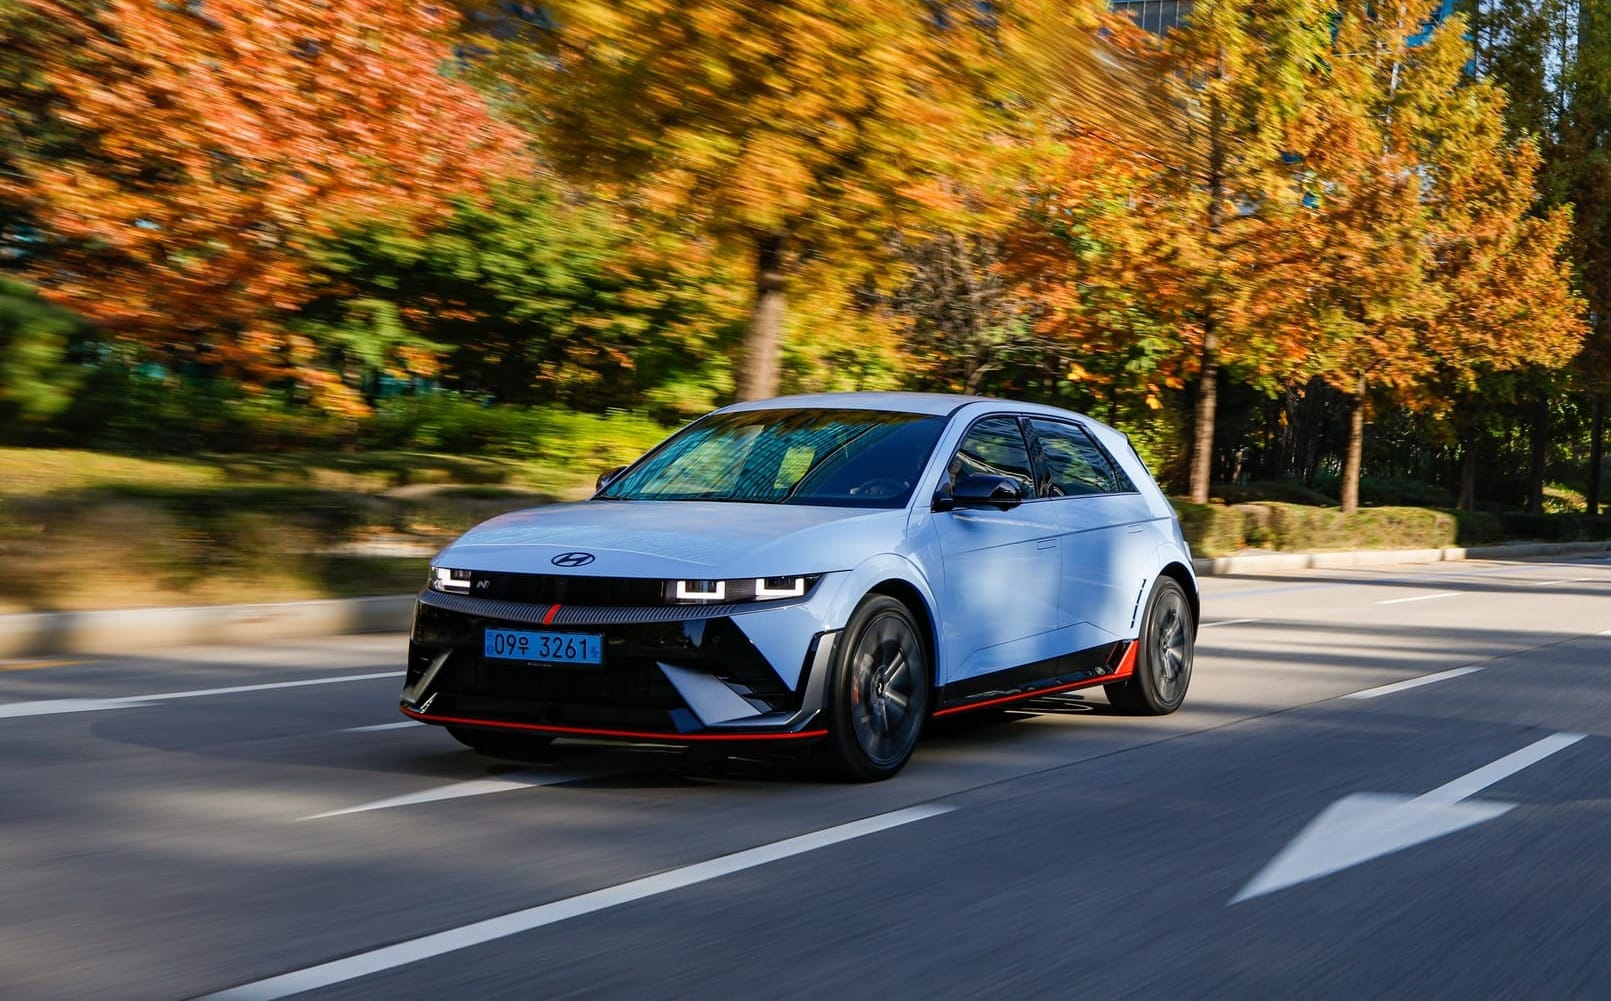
551, 648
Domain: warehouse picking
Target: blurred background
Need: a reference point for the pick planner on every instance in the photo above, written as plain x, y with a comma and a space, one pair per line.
291, 293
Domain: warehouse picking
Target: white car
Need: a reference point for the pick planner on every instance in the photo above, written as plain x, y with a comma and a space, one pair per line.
827, 570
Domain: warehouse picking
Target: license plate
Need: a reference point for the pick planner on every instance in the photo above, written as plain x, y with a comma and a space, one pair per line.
552, 648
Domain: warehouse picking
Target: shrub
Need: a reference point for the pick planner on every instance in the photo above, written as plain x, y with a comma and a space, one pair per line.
1212, 529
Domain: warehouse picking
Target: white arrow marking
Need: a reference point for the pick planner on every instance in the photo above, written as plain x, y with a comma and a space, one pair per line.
1366, 826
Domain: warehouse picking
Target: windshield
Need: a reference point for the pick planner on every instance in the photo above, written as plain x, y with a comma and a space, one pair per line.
842, 458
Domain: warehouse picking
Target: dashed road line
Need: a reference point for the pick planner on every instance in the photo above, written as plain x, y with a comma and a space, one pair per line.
1400, 686
51, 707
1419, 597
377, 727
427, 946
470, 787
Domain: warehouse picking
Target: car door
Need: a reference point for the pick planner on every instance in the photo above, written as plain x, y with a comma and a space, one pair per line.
1104, 543
1001, 591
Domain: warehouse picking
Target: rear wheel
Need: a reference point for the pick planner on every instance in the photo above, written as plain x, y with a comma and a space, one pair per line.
1163, 663
502, 743
877, 692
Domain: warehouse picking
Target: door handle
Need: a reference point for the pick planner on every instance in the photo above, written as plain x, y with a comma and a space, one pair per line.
1136, 530
1046, 543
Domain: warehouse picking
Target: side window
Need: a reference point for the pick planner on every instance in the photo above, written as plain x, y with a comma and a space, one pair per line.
1076, 464
994, 446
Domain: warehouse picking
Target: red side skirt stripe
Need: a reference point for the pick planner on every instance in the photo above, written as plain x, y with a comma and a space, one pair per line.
587, 731
1126, 668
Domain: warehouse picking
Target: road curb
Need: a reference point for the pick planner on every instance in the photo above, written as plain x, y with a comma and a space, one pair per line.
126, 630
1264, 562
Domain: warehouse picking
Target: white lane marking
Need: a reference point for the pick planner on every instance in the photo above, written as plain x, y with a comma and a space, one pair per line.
1399, 686
1476, 781
1365, 826
377, 727
1228, 622
427, 946
53, 706
459, 790
1420, 597
1604, 632
1547, 583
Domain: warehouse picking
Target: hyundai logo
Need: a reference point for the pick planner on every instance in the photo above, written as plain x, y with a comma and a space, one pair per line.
572, 559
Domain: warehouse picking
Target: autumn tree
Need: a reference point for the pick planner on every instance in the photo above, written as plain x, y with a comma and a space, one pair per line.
1245, 69
1435, 267
179, 158
799, 129
1584, 167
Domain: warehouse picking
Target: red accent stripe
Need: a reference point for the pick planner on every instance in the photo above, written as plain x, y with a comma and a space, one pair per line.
1125, 669
549, 618
1127, 666
675, 738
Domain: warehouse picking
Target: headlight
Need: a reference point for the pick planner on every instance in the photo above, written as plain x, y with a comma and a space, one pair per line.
742, 589
451, 581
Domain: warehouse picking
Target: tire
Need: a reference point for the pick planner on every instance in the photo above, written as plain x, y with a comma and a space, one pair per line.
877, 692
1163, 663
502, 744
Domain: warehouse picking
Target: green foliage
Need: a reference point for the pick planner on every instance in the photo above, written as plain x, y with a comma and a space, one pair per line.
38, 375
451, 423
534, 297
1212, 529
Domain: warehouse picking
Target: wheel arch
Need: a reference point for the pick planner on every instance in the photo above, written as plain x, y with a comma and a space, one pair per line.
905, 592
1188, 583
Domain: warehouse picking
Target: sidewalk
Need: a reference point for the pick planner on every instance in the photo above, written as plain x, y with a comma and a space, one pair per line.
135, 629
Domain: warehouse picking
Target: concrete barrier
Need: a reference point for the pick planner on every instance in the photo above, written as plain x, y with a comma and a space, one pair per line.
134, 629
1251, 563
126, 630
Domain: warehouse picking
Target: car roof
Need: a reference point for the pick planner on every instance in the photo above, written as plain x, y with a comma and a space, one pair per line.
939, 404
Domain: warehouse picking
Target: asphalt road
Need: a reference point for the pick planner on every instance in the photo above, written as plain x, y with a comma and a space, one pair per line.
259, 819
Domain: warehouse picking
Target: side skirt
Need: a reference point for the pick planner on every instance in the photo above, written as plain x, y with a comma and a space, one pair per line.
1097, 666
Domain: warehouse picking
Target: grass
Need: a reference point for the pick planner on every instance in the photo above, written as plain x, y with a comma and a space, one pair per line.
98, 530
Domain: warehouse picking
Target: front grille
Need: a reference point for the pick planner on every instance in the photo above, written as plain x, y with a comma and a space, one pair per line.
629, 683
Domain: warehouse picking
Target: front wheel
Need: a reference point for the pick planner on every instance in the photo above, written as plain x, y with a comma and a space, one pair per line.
877, 692
1163, 664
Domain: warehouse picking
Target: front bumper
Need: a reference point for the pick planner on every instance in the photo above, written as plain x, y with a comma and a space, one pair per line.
671, 674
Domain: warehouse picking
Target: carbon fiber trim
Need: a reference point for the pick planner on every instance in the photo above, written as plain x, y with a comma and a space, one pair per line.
589, 615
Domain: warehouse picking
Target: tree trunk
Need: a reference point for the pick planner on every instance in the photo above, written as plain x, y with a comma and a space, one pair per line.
758, 363
1468, 475
1202, 431
1356, 450
1596, 452
1535, 470
1202, 445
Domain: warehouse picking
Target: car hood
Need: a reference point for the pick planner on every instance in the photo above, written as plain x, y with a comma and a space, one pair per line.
678, 539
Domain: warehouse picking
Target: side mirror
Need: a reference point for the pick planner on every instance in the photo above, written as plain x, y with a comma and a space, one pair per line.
980, 490
608, 476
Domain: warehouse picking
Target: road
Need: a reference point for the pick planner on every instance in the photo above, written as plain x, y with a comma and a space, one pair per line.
259, 819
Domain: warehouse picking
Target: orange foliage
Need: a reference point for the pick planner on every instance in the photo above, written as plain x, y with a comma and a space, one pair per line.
212, 142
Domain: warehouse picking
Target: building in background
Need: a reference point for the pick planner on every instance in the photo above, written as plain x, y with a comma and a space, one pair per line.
1158, 16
